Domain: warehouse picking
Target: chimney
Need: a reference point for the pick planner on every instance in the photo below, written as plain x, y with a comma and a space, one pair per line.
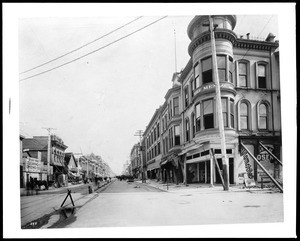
248, 35
270, 38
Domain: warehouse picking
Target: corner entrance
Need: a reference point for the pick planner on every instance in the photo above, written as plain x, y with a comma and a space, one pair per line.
198, 172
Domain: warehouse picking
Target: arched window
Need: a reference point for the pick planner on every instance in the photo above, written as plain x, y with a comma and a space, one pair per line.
187, 130
244, 116
263, 117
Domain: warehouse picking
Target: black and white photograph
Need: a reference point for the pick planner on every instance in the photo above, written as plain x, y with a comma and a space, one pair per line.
153, 120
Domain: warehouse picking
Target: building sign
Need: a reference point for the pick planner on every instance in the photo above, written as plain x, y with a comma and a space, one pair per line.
263, 155
212, 86
32, 165
249, 180
266, 160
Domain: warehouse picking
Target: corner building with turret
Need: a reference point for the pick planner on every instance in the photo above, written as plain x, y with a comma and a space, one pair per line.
190, 141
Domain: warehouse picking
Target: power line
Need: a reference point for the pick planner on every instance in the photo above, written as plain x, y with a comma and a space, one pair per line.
72, 51
93, 50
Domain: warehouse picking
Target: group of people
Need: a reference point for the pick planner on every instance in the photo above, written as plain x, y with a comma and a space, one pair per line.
35, 185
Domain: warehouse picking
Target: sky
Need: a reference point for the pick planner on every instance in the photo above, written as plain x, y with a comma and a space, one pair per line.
97, 103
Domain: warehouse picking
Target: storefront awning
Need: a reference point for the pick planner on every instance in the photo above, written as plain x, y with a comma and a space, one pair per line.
193, 148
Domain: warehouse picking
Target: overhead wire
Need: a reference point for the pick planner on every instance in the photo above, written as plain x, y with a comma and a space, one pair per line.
74, 50
96, 50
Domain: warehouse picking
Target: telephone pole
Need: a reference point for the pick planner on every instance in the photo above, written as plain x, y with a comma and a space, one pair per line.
49, 150
219, 105
140, 134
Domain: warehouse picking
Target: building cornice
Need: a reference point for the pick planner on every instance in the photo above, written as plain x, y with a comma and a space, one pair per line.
255, 45
170, 91
220, 33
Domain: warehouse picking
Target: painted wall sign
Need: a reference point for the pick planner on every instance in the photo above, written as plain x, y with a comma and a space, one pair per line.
249, 180
32, 165
263, 155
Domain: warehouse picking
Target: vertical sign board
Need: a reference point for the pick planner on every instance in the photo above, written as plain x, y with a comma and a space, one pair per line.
265, 159
249, 177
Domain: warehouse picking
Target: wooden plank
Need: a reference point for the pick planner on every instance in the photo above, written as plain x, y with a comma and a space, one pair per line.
265, 171
218, 168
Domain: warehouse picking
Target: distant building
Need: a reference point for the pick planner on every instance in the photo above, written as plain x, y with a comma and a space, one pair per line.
188, 125
37, 147
72, 166
135, 160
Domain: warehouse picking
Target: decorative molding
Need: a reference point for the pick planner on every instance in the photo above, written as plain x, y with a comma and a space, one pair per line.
205, 37
256, 45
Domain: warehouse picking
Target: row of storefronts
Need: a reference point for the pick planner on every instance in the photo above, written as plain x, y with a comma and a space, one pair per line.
182, 140
62, 168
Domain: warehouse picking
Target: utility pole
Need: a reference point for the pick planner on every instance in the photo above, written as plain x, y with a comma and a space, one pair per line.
140, 134
219, 105
49, 150
175, 50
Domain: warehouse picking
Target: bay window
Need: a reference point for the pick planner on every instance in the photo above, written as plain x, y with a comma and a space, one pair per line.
208, 114
198, 117
207, 70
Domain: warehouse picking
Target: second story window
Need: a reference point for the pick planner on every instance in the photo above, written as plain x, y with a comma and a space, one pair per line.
224, 111
176, 135
207, 71
176, 105
193, 125
261, 76
187, 130
263, 117
198, 117
208, 114
221, 62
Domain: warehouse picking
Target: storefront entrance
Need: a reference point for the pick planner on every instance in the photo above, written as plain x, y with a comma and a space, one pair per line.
198, 172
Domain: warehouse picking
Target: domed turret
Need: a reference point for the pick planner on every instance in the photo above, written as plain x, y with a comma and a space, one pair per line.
199, 24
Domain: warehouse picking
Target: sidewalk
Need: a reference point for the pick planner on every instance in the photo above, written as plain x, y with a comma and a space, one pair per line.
23, 191
203, 188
